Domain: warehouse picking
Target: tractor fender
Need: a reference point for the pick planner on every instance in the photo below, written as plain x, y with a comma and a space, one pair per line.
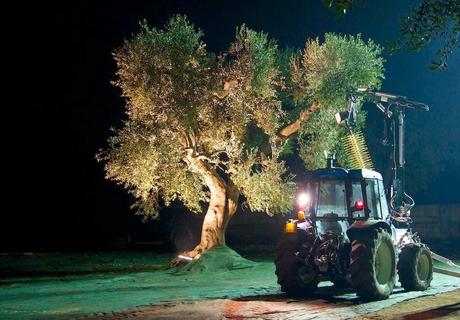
366, 225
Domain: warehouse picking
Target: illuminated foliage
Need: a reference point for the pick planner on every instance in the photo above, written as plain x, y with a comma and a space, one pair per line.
205, 129
325, 73
184, 105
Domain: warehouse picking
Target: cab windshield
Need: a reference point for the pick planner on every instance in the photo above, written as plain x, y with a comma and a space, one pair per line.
331, 202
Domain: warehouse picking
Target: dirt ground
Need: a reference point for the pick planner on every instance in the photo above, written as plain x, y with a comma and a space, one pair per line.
440, 306
222, 285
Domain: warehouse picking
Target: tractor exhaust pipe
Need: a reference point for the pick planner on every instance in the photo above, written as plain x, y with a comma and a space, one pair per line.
330, 159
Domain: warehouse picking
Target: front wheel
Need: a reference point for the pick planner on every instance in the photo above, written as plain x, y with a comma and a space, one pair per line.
415, 267
295, 278
373, 264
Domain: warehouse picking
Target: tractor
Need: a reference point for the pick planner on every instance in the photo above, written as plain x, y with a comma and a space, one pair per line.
345, 230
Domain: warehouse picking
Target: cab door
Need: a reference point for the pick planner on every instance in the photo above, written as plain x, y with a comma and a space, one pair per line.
373, 199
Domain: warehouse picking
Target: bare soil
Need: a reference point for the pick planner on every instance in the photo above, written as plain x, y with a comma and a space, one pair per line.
221, 286
441, 306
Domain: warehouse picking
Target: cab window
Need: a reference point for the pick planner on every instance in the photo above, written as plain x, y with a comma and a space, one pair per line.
373, 198
383, 200
331, 199
356, 195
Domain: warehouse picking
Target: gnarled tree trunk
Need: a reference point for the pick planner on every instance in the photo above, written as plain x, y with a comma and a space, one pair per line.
222, 206
224, 194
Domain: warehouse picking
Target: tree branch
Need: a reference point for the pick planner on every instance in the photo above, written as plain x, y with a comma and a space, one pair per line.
203, 157
289, 130
211, 177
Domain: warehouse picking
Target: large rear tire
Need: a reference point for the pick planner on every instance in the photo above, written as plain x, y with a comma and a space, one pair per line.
295, 278
415, 267
373, 264
344, 280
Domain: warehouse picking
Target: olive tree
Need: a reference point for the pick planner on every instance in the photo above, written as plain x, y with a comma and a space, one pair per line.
208, 129
324, 75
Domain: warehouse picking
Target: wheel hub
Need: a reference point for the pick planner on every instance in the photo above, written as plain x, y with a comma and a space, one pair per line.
422, 267
383, 261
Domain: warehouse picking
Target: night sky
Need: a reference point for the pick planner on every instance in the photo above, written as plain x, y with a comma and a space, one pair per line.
64, 201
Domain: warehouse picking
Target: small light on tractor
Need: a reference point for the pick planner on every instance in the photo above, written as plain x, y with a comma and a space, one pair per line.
359, 205
290, 227
300, 215
303, 199
341, 117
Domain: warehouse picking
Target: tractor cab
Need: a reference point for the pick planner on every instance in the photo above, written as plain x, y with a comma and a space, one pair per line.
335, 198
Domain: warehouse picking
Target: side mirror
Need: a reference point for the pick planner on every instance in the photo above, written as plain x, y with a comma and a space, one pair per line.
358, 206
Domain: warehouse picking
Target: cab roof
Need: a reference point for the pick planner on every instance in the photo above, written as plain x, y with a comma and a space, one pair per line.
341, 173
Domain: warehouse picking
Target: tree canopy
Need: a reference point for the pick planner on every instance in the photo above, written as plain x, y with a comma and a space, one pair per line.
326, 73
200, 124
183, 100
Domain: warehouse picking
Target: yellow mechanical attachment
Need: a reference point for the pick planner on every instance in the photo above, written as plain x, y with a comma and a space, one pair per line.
356, 151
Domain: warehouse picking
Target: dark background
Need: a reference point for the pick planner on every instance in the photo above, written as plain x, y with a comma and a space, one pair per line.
60, 200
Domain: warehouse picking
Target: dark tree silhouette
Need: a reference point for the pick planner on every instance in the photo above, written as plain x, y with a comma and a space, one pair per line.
428, 21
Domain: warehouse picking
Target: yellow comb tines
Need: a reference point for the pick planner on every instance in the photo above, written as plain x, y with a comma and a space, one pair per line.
356, 151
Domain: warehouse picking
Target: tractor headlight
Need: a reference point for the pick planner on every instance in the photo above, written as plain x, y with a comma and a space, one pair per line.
303, 199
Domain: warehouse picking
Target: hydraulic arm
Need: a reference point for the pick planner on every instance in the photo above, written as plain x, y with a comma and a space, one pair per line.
394, 108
